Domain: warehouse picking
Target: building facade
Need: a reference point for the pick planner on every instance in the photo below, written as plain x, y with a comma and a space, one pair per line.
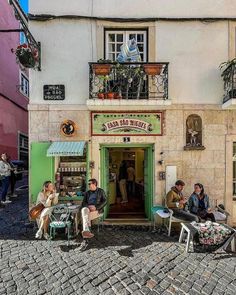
169, 124
14, 91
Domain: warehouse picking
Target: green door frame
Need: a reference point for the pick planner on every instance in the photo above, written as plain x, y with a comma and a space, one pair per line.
150, 171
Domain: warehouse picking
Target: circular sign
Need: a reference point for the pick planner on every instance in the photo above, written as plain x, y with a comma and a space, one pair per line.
68, 128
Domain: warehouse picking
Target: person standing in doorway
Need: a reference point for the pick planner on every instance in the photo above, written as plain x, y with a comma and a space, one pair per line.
92, 206
130, 179
122, 181
5, 172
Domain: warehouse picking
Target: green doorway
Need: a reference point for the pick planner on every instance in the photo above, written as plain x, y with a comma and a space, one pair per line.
139, 161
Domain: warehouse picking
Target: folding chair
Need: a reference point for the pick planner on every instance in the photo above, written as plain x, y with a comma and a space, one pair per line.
60, 219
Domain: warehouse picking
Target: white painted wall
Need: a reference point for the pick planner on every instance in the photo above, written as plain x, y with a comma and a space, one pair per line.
137, 8
66, 51
193, 49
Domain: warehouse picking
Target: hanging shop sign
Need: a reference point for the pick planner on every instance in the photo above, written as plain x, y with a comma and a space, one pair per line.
68, 128
54, 92
126, 123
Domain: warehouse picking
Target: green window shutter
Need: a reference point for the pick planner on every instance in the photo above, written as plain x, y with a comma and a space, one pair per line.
41, 168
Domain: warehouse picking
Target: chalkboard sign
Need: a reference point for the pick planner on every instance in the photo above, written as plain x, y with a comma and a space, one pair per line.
54, 92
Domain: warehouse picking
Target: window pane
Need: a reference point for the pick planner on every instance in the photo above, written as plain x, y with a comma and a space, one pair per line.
110, 56
140, 38
140, 47
119, 38
132, 36
118, 47
111, 38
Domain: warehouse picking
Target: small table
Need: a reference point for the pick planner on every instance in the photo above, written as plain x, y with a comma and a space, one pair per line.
73, 209
191, 231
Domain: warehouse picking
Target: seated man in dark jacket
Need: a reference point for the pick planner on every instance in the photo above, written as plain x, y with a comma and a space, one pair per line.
92, 205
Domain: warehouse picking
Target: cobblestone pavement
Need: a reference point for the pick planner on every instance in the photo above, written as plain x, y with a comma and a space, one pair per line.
116, 261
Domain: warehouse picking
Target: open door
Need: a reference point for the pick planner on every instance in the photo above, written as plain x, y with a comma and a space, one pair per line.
148, 180
105, 176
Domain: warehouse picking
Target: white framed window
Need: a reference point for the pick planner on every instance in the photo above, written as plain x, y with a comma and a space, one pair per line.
114, 39
24, 84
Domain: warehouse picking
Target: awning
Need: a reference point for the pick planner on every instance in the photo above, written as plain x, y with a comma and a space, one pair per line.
66, 148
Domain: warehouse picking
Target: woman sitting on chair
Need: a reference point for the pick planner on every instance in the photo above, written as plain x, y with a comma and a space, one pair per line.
48, 198
198, 203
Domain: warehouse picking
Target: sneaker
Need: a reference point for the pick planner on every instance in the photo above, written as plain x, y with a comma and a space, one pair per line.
6, 202
87, 235
39, 234
46, 236
122, 202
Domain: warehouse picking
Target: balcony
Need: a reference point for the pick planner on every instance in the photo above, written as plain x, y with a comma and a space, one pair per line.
229, 78
128, 83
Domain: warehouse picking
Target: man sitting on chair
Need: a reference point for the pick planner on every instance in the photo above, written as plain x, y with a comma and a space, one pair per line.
176, 201
92, 205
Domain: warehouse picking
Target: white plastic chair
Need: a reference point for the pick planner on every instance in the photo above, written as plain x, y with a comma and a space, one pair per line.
173, 219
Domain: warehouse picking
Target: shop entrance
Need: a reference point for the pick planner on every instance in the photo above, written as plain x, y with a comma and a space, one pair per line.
127, 177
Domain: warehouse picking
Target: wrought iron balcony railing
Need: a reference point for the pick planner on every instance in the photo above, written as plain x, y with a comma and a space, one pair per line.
229, 78
128, 80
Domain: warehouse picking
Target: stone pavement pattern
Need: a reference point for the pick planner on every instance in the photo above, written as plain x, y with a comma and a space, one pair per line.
117, 261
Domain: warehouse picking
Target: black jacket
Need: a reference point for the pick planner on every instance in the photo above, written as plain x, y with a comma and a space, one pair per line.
100, 202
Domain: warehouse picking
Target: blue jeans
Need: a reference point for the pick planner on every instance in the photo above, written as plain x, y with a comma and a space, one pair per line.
5, 185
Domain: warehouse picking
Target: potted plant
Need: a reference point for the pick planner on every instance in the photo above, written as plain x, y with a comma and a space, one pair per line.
228, 73
26, 55
101, 94
152, 69
226, 64
103, 67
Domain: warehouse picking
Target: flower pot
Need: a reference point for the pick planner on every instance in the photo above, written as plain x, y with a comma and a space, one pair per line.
117, 95
110, 95
152, 69
101, 95
102, 69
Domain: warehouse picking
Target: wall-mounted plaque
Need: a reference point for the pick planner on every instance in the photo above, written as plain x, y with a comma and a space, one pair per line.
54, 92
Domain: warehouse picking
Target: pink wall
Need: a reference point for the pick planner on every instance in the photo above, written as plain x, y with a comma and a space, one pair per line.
13, 105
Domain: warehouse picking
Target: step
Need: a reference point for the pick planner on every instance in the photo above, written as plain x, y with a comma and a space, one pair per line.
127, 221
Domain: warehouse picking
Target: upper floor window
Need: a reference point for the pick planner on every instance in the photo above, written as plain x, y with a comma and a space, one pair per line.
114, 39
24, 85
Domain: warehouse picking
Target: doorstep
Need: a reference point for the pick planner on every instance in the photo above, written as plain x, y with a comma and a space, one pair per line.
125, 221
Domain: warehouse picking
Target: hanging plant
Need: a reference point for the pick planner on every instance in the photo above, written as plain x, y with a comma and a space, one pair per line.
26, 56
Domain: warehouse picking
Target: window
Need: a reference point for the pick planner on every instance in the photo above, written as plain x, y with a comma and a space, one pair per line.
24, 85
114, 40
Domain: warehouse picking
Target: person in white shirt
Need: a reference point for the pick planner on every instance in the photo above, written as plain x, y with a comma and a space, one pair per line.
48, 197
5, 172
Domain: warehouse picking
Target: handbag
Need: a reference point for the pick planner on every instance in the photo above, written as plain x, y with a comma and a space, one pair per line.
36, 211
